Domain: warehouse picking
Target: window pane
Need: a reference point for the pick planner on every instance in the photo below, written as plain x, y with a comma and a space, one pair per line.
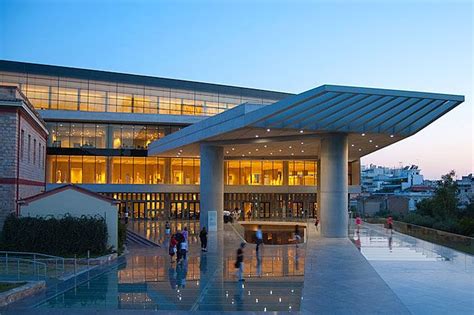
245, 173
126, 165
88, 168
76, 135
188, 172
61, 174
139, 170
256, 172
176, 171
100, 170
76, 169
233, 172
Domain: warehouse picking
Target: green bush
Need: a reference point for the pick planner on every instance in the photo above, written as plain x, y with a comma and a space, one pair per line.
66, 236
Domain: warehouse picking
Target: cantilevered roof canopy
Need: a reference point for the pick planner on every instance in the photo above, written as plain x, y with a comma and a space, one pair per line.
293, 127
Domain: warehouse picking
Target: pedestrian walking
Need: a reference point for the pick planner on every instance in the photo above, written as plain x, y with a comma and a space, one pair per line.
183, 250
126, 216
316, 223
390, 224
185, 233
297, 235
259, 237
172, 248
179, 240
203, 238
167, 228
239, 262
358, 222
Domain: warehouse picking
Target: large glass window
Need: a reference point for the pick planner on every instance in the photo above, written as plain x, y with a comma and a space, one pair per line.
88, 95
233, 172
256, 172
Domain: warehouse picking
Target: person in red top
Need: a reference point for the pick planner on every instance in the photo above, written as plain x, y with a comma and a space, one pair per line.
358, 223
172, 248
390, 224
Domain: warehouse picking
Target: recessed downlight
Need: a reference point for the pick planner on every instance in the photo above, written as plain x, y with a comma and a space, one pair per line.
268, 129
391, 136
360, 149
279, 150
265, 146
301, 131
352, 145
370, 140
233, 149
256, 136
363, 135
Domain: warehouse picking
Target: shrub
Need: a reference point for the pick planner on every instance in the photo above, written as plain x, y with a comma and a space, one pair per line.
66, 236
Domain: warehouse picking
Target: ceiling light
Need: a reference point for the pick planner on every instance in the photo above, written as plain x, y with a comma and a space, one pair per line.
376, 146
292, 154
352, 145
302, 142
227, 152
301, 131
302, 151
233, 149
391, 136
268, 130
271, 153
256, 149
256, 136
180, 150
363, 135
265, 146
279, 150
360, 149
289, 147
370, 140
243, 154
250, 152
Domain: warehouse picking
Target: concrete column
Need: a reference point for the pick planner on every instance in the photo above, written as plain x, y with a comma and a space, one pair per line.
167, 175
212, 187
285, 173
334, 189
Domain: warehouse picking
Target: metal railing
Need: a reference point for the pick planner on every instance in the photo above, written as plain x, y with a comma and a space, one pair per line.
35, 265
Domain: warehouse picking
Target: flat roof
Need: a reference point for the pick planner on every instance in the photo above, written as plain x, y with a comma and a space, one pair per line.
125, 78
293, 127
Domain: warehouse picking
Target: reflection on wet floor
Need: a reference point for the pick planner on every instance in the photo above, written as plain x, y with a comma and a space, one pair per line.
428, 278
379, 245
204, 281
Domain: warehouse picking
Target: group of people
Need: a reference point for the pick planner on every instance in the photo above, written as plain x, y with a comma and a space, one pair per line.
179, 242
388, 224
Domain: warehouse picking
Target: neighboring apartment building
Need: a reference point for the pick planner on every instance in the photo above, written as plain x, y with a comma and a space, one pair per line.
101, 123
465, 187
23, 137
389, 180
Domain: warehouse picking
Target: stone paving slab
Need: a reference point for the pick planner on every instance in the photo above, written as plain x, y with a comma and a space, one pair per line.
339, 280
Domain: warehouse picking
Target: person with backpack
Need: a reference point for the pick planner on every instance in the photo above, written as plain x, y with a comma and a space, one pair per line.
179, 239
203, 238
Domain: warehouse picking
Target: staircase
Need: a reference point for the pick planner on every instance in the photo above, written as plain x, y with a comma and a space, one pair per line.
138, 240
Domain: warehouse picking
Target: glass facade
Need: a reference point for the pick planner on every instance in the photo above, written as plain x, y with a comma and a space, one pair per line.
178, 171
104, 136
62, 93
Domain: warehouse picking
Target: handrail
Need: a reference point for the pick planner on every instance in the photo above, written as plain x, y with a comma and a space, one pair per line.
30, 253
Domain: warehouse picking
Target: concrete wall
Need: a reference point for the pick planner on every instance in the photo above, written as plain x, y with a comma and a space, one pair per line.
76, 204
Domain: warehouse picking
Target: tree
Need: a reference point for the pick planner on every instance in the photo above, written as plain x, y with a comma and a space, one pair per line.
443, 205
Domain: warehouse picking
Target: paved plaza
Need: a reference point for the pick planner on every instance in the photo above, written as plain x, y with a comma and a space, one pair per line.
389, 275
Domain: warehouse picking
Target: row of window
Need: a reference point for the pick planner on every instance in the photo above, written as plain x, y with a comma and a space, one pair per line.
71, 94
33, 150
154, 170
105, 136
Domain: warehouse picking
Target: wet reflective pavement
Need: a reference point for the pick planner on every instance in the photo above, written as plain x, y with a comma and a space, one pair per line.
204, 282
428, 278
